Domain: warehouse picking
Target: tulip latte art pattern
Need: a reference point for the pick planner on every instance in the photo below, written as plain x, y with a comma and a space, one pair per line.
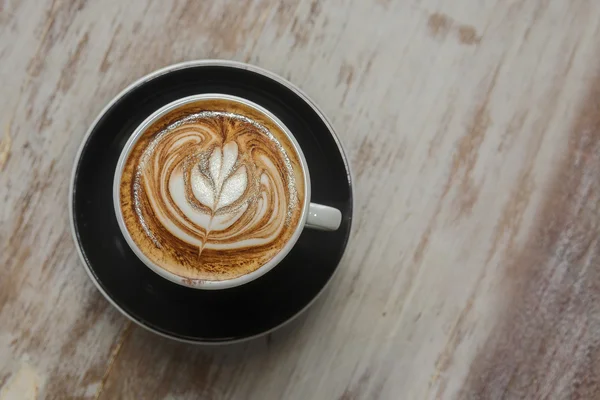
213, 195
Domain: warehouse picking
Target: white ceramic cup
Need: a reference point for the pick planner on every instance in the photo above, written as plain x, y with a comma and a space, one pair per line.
314, 216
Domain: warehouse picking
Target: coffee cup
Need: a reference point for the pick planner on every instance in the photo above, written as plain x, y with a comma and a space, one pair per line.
212, 191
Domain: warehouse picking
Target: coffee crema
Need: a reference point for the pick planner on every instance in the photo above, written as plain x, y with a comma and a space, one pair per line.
212, 190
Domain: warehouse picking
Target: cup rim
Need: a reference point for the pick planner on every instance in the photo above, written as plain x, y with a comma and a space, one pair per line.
202, 283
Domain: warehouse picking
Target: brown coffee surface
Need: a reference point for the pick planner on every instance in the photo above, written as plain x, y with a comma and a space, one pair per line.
212, 190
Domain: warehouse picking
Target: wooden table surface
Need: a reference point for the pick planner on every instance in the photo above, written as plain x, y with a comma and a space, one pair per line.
473, 129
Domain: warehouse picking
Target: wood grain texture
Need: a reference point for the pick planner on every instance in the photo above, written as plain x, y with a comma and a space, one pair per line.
473, 128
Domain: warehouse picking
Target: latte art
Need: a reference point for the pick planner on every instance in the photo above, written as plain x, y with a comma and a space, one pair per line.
197, 185
212, 194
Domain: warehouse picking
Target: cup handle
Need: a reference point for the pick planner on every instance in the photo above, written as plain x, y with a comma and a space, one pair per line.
323, 218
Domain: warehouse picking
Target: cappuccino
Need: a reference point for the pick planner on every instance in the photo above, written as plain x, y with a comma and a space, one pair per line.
212, 190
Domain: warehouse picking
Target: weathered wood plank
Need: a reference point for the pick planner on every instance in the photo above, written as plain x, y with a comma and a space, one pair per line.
472, 128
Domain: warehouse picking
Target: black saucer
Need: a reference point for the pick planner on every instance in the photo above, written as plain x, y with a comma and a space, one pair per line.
190, 314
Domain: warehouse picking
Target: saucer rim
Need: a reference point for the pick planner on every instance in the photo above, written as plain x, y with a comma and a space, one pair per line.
166, 70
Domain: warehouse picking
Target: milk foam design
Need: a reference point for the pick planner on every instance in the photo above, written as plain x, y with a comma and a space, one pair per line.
211, 190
